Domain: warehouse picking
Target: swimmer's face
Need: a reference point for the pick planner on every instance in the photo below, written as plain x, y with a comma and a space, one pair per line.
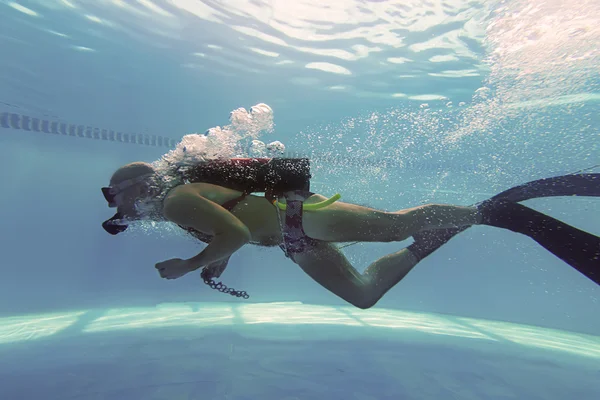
126, 199
129, 184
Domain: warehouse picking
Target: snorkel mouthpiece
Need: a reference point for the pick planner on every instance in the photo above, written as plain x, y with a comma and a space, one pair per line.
114, 225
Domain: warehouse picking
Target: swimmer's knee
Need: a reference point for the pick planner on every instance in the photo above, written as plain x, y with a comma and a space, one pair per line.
364, 305
365, 302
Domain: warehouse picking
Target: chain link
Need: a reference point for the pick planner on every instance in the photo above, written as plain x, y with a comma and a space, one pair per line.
224, 289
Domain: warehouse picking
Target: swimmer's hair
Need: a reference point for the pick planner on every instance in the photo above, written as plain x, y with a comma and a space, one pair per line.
131, 170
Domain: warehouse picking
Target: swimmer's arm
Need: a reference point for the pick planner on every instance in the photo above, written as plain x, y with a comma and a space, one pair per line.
186, 208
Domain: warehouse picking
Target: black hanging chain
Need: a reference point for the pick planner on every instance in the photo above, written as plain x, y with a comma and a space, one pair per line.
224, 289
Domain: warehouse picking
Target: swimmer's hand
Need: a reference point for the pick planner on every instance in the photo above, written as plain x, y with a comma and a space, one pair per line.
174, 268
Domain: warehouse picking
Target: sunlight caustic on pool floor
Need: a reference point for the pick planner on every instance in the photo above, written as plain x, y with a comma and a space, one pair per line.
289, 351
277, 317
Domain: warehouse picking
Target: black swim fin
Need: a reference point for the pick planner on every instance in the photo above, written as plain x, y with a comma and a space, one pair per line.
578, 248
587, 185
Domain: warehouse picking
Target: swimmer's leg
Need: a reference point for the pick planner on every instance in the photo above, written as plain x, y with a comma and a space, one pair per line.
328, 266
579, 249
344, 222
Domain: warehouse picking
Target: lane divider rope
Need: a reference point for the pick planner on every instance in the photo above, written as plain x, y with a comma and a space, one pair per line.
34, 124
18, 121
11, 120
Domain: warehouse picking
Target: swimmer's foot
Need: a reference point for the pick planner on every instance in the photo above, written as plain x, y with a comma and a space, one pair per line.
426, 242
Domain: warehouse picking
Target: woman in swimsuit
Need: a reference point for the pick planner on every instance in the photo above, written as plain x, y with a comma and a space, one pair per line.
228, 219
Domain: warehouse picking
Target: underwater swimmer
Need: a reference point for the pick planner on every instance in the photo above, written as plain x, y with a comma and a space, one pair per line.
228, 219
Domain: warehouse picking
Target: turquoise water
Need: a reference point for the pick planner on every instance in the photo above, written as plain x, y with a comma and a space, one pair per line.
396, 103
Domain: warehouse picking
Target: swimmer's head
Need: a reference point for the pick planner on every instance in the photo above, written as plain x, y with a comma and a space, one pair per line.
128, 184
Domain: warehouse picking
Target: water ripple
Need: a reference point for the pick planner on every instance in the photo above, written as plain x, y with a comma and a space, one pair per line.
345, 38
